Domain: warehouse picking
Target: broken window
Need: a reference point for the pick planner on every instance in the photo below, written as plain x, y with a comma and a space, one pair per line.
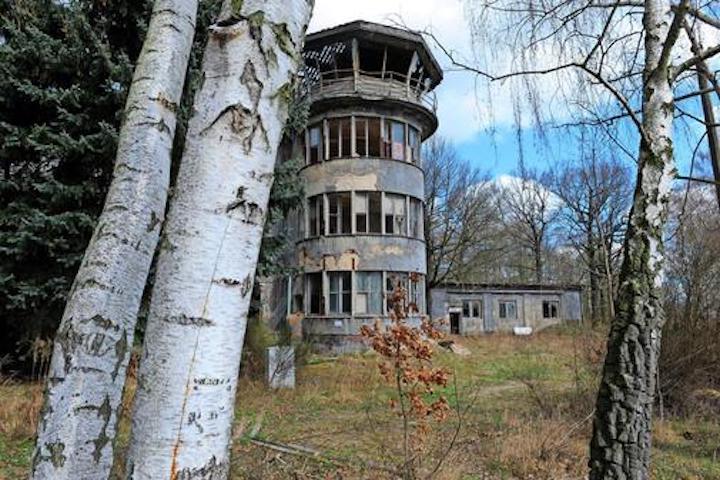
508, 309
338, 213
414, 145
416, 293
550, 308
393, 281
361, 136
374, 137
394, 140
314, 148
472, 309
314, 293
340, 292
316, 217
368, 214
416, 218
395, 214
368, 292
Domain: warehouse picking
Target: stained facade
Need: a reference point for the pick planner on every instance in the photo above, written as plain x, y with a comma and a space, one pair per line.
360, 231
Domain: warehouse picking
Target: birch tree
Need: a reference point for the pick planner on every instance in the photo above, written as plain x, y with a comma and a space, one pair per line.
183, 411
92, 346
607, 55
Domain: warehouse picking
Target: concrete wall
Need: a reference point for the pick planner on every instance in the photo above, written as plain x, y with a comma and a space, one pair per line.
529, 305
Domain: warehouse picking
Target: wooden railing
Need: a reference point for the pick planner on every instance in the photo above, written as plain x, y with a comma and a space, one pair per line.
381, 84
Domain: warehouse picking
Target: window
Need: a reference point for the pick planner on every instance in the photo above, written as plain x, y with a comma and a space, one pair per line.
368, 292
340, 289
333, 138
394, 140
416, 218
368, 214
338, 213
316, 216
374, 137
315, 147
393, 281
314, 293
472, 309
508, 309
345, 137
416, 293
361, 136
395, 214
414, 145
550, 308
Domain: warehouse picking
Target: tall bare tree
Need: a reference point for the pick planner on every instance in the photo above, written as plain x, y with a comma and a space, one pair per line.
528, 213
92, 346
459, 214
595, 192
606, 54
183, 410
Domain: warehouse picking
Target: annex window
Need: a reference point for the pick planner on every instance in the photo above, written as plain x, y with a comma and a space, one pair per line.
393, 281
316, 217
340, 292
508, 309
394, 140
314, 152
314, 293
414, 145
368, 292
550, 308
472, 309
395, 218
416, 218
368, 212
338, 213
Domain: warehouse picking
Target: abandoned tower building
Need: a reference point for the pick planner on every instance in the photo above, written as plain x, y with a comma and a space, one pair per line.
360, 231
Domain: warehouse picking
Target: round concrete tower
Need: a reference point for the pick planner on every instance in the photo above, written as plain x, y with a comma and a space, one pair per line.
372, 105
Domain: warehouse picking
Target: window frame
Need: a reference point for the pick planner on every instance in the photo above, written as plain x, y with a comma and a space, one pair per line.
549, 307
343, 293
502, 305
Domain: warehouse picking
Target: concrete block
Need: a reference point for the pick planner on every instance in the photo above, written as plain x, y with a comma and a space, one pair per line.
281, 366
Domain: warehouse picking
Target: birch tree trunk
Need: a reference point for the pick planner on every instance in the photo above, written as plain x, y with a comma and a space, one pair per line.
93, 343
183, 410
620, 446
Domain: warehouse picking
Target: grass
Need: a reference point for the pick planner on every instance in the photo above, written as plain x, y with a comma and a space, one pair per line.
524, 404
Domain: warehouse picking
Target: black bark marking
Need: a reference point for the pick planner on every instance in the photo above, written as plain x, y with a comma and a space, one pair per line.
154, 221
230, 282
250, 80
250, 211
104, 412
121, 350
56, 457
183, 319
246, 286
160, 125
210, 471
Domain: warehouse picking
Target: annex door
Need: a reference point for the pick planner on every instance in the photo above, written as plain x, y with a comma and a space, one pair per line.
455, 323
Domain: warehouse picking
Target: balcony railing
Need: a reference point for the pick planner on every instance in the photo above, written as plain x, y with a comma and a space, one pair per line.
376, 84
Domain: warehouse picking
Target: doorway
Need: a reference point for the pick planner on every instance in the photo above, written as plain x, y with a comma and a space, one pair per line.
455, 323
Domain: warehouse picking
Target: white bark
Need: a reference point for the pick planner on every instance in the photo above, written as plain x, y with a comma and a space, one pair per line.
186, 386
93, 343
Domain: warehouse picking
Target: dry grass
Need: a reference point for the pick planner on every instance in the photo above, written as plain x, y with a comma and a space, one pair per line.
524, 405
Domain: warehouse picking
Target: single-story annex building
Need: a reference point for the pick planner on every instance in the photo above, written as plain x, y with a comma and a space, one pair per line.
472, 309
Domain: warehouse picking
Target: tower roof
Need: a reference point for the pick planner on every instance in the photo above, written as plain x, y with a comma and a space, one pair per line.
382, 34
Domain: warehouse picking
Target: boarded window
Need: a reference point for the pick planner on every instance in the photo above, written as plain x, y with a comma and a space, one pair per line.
368, 292
508, 309
340, 292
316, 223
338, 213
315, 147
314, 293
367, 212
550, 308
395, 217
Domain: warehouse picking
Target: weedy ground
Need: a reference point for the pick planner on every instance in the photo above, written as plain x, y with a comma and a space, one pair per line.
522, 410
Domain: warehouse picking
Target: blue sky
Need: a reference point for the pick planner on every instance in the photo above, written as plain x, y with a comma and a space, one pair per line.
484, 134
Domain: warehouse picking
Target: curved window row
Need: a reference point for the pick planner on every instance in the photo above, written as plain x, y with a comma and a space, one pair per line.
361, 292
363, 212
359, 136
